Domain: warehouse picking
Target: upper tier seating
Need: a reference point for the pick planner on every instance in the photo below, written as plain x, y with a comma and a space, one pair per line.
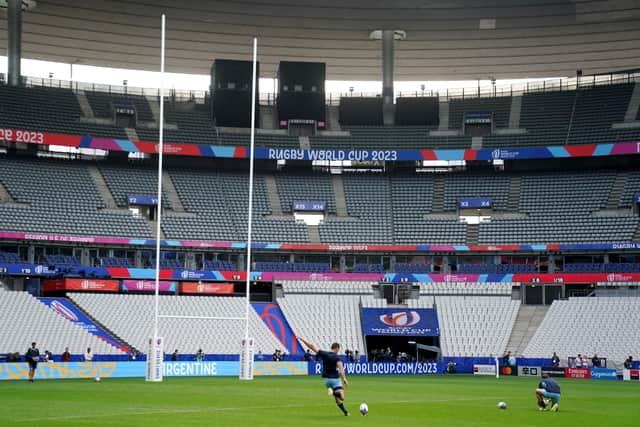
606, 326
60, 197
25, 319
101, 104
499, 106
48, 109
131, 318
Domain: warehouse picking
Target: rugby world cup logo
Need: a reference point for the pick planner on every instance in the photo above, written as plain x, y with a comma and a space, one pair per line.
63, 311
402, 319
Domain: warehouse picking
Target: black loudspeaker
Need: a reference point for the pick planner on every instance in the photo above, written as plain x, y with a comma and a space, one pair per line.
301, 93
231, 92
420, 111
361, 111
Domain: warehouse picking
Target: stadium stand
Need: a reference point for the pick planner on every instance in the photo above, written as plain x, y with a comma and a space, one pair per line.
334, 317
60, 197
31, 320
115, 262
130, 317
123, 181
326, 287
498, 106
102, 104
48, 109
61, 260
10, 258
597, 325
311, 187
466, 288
475, 326
220, 265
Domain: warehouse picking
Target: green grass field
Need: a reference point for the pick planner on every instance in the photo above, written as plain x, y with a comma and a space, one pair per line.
302, 401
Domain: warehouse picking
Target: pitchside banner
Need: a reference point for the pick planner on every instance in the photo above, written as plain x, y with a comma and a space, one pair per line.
554, 371
603, 374
394, 322
529, 371
384, 368
631, 375
484, 370
104, 370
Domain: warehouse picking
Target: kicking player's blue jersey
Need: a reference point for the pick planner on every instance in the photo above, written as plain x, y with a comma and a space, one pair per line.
329, 364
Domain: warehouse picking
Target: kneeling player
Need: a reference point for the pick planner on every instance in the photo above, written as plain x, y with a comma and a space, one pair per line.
549, 389
332, 371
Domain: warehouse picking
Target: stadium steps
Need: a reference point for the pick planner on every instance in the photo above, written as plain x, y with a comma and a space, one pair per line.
444, 115
152, 226
473, 232
527, 322
616, 191
131, 134
85, 106
304, 142
171, 192
476, 142
314, 234
515, 188
273, 195
634, 105
101, 185
154, 105
571, 117
514, 112
438, 194
338, 191
5, 197
333, 116
268, 117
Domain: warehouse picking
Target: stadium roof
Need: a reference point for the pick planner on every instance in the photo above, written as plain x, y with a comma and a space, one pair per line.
446, 40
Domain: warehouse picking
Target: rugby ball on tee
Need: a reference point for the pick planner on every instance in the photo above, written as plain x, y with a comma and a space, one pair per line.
364, 409
502, 405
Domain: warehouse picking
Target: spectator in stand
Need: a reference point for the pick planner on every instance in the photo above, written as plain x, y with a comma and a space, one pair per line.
628, 364
451, 367
585, 361
33, 355
174, 356
505, 358
512, 360
199, 355
595, 361
88, 356
555, 360
66, 356
578, 361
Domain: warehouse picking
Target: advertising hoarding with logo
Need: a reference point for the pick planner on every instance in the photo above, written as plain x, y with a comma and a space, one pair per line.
148, 285
584, 373
529, 371
603, 374
206, 288
92, 285
554, 371
484, 370
400, 322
